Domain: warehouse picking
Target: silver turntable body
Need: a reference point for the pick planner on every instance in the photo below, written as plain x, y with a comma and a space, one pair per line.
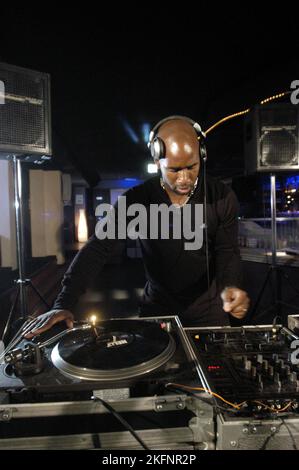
179, 388
113, 350
127, 362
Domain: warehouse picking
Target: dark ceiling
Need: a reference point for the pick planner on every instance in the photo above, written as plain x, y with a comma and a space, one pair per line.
112, 74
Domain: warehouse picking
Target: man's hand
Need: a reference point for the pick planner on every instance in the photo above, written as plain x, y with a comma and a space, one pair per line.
235, 301
45, 321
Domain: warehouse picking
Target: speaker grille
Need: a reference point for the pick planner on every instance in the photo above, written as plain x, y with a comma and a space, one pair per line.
25, 116
278, 147
271, 138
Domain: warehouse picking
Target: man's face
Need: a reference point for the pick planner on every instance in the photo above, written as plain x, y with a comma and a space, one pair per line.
180, 174
181, 164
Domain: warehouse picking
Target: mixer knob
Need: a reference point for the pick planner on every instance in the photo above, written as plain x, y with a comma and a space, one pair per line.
287, 370
293, 377
271, 371
281, 363
260, 382
259, 358
265, 364
267, 336
276, 377
277, 381
253, 372
247, 365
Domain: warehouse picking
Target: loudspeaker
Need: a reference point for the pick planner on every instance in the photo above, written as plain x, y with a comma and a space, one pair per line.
25, 124
272, 138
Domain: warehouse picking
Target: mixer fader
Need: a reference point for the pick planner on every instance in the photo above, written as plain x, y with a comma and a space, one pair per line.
248, 363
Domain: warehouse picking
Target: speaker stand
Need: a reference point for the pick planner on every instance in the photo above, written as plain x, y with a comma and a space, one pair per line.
21, 283
275, 273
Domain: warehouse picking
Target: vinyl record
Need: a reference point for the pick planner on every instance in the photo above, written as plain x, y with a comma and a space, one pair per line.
114, 350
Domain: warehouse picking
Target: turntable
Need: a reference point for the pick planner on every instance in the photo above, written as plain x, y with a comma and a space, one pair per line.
114, 350
46, 388
112, 354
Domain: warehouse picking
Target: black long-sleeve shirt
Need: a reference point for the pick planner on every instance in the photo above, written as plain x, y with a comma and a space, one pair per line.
176, 277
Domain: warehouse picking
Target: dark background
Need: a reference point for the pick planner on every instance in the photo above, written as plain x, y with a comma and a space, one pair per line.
114, 71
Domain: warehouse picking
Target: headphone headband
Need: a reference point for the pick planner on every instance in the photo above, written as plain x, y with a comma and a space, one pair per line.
157, 146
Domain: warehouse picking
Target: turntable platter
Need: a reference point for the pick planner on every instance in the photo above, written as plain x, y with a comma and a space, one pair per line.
114, 350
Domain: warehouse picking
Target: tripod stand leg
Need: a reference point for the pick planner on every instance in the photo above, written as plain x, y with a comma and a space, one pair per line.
277, 291
287, 277
38, 293
253, 311
10, 315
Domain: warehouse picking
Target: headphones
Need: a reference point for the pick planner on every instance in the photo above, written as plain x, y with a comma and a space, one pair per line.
157, 146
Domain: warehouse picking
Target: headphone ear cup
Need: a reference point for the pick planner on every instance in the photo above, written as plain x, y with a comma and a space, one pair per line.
203, 150
157, 148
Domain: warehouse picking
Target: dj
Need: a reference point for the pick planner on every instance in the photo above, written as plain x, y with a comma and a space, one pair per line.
202, 286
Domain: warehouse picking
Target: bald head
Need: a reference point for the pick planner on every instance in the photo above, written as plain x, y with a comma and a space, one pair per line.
181, 164
180, 139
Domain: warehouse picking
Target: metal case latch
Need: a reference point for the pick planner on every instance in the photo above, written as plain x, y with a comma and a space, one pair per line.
5, 415
170, 404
